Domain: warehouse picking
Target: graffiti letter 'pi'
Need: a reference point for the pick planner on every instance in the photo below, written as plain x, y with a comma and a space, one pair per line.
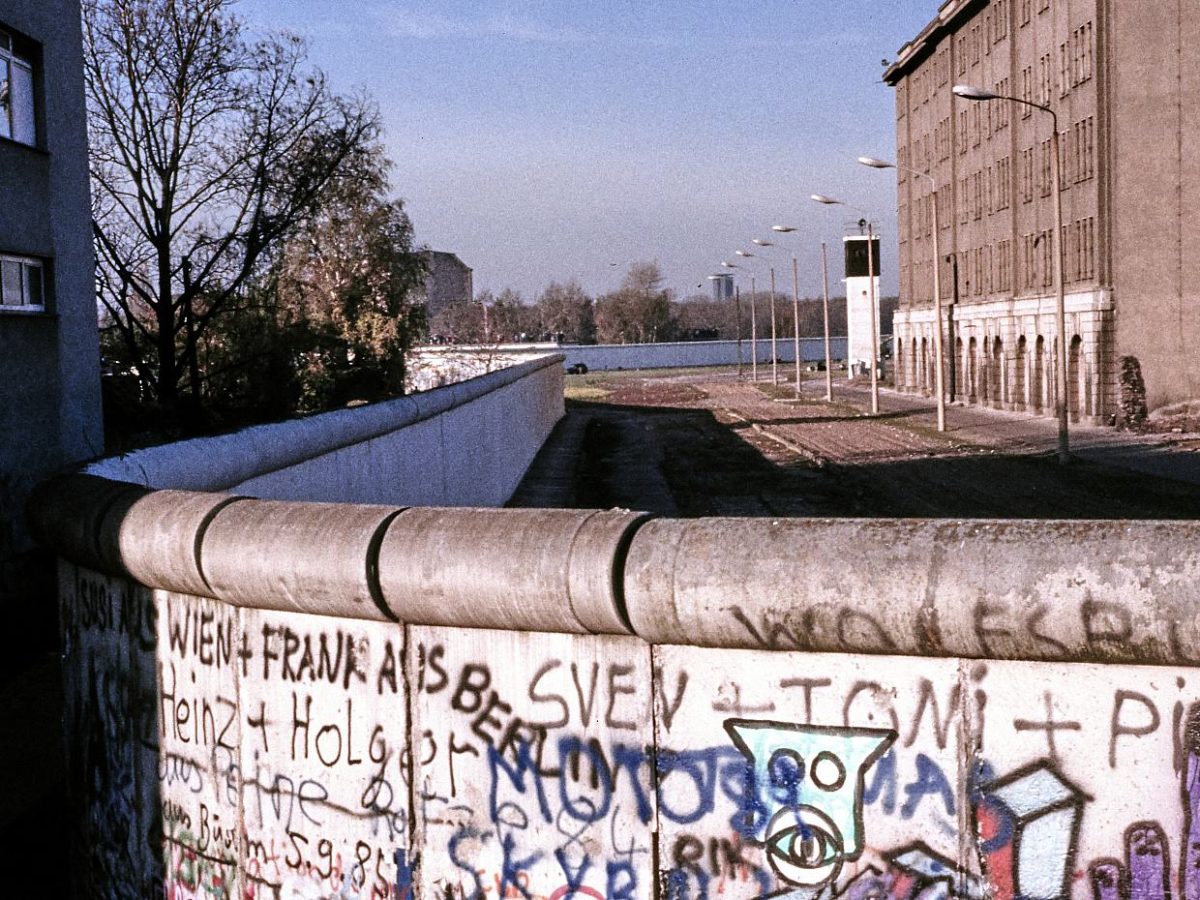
809, 780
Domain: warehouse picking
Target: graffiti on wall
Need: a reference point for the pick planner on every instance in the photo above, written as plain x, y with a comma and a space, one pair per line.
254, 754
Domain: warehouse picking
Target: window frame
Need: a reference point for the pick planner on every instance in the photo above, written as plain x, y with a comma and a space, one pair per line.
10, 58
26, 263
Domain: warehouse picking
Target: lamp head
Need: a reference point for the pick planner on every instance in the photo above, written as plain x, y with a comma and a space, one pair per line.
783, 229
874, 163
970, 92
828, 201
745, 253
760, 242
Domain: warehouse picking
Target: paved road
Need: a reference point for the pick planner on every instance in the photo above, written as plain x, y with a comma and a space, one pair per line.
695, 445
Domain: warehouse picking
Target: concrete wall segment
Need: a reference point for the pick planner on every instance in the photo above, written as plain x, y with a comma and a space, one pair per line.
534, 569
232, 461
982, 589
69, 514
161, 537
318, 558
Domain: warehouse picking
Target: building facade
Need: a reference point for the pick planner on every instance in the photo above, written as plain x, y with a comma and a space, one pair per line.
50, 388
722, 286
1121, 79
447, 280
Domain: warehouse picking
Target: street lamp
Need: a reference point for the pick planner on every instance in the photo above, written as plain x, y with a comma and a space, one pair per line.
795, 307
970, 92
753, 317
737, 306
787, 229
830, 201
759, 242
939, 383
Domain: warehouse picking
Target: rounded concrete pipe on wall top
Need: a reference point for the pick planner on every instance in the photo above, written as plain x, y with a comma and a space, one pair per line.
303, 557
521, 569
1021, 589
77, 514
160, 537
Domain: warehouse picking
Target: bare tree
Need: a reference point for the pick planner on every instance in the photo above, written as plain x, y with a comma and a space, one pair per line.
209, 149
566, 312
639, 311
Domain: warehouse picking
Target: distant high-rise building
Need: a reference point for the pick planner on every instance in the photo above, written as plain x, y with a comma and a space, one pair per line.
448, 280
722, 286
1120, 77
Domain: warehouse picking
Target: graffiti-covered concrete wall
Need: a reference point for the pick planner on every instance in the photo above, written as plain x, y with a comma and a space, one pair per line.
639, 708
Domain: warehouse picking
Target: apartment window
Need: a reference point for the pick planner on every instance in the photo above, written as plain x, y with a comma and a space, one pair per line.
1047, 80
16, 95
960, 51
1087, 149
1047, 241
1026, 11
1000, 20
1029, 260
1064, 71
1027, 91
1003, 183
1043, 6
962, 131
1027, 174
1087, 237
1081, 54
1047, 169
21, 284
1004, 266
1001, 109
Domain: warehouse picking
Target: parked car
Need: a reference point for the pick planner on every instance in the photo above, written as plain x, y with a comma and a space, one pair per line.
577, 369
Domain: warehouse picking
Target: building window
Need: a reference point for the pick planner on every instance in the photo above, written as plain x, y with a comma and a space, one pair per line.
1026, 91
1043, 6
21, 284
1047, 169
1026, 11
1001, 21
17, 120
1003, 183
1027, 175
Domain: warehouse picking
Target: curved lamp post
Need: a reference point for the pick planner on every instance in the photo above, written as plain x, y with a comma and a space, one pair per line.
969, 92
795, 309
759, 242
831, 201
753, 317
737, 306
786, 229
939, 377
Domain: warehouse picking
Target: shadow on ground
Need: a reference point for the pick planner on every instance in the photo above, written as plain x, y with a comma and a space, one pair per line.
680, 461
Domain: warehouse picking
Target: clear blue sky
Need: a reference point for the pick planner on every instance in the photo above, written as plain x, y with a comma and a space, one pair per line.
546, 139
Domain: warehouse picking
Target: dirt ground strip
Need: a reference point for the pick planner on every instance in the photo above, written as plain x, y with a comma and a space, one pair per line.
707, 444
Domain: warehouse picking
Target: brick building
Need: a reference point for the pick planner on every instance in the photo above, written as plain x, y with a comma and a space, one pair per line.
1123, 80
447, 280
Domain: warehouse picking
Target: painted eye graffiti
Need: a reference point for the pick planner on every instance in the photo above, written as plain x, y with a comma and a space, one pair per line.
804, 846
828, 772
